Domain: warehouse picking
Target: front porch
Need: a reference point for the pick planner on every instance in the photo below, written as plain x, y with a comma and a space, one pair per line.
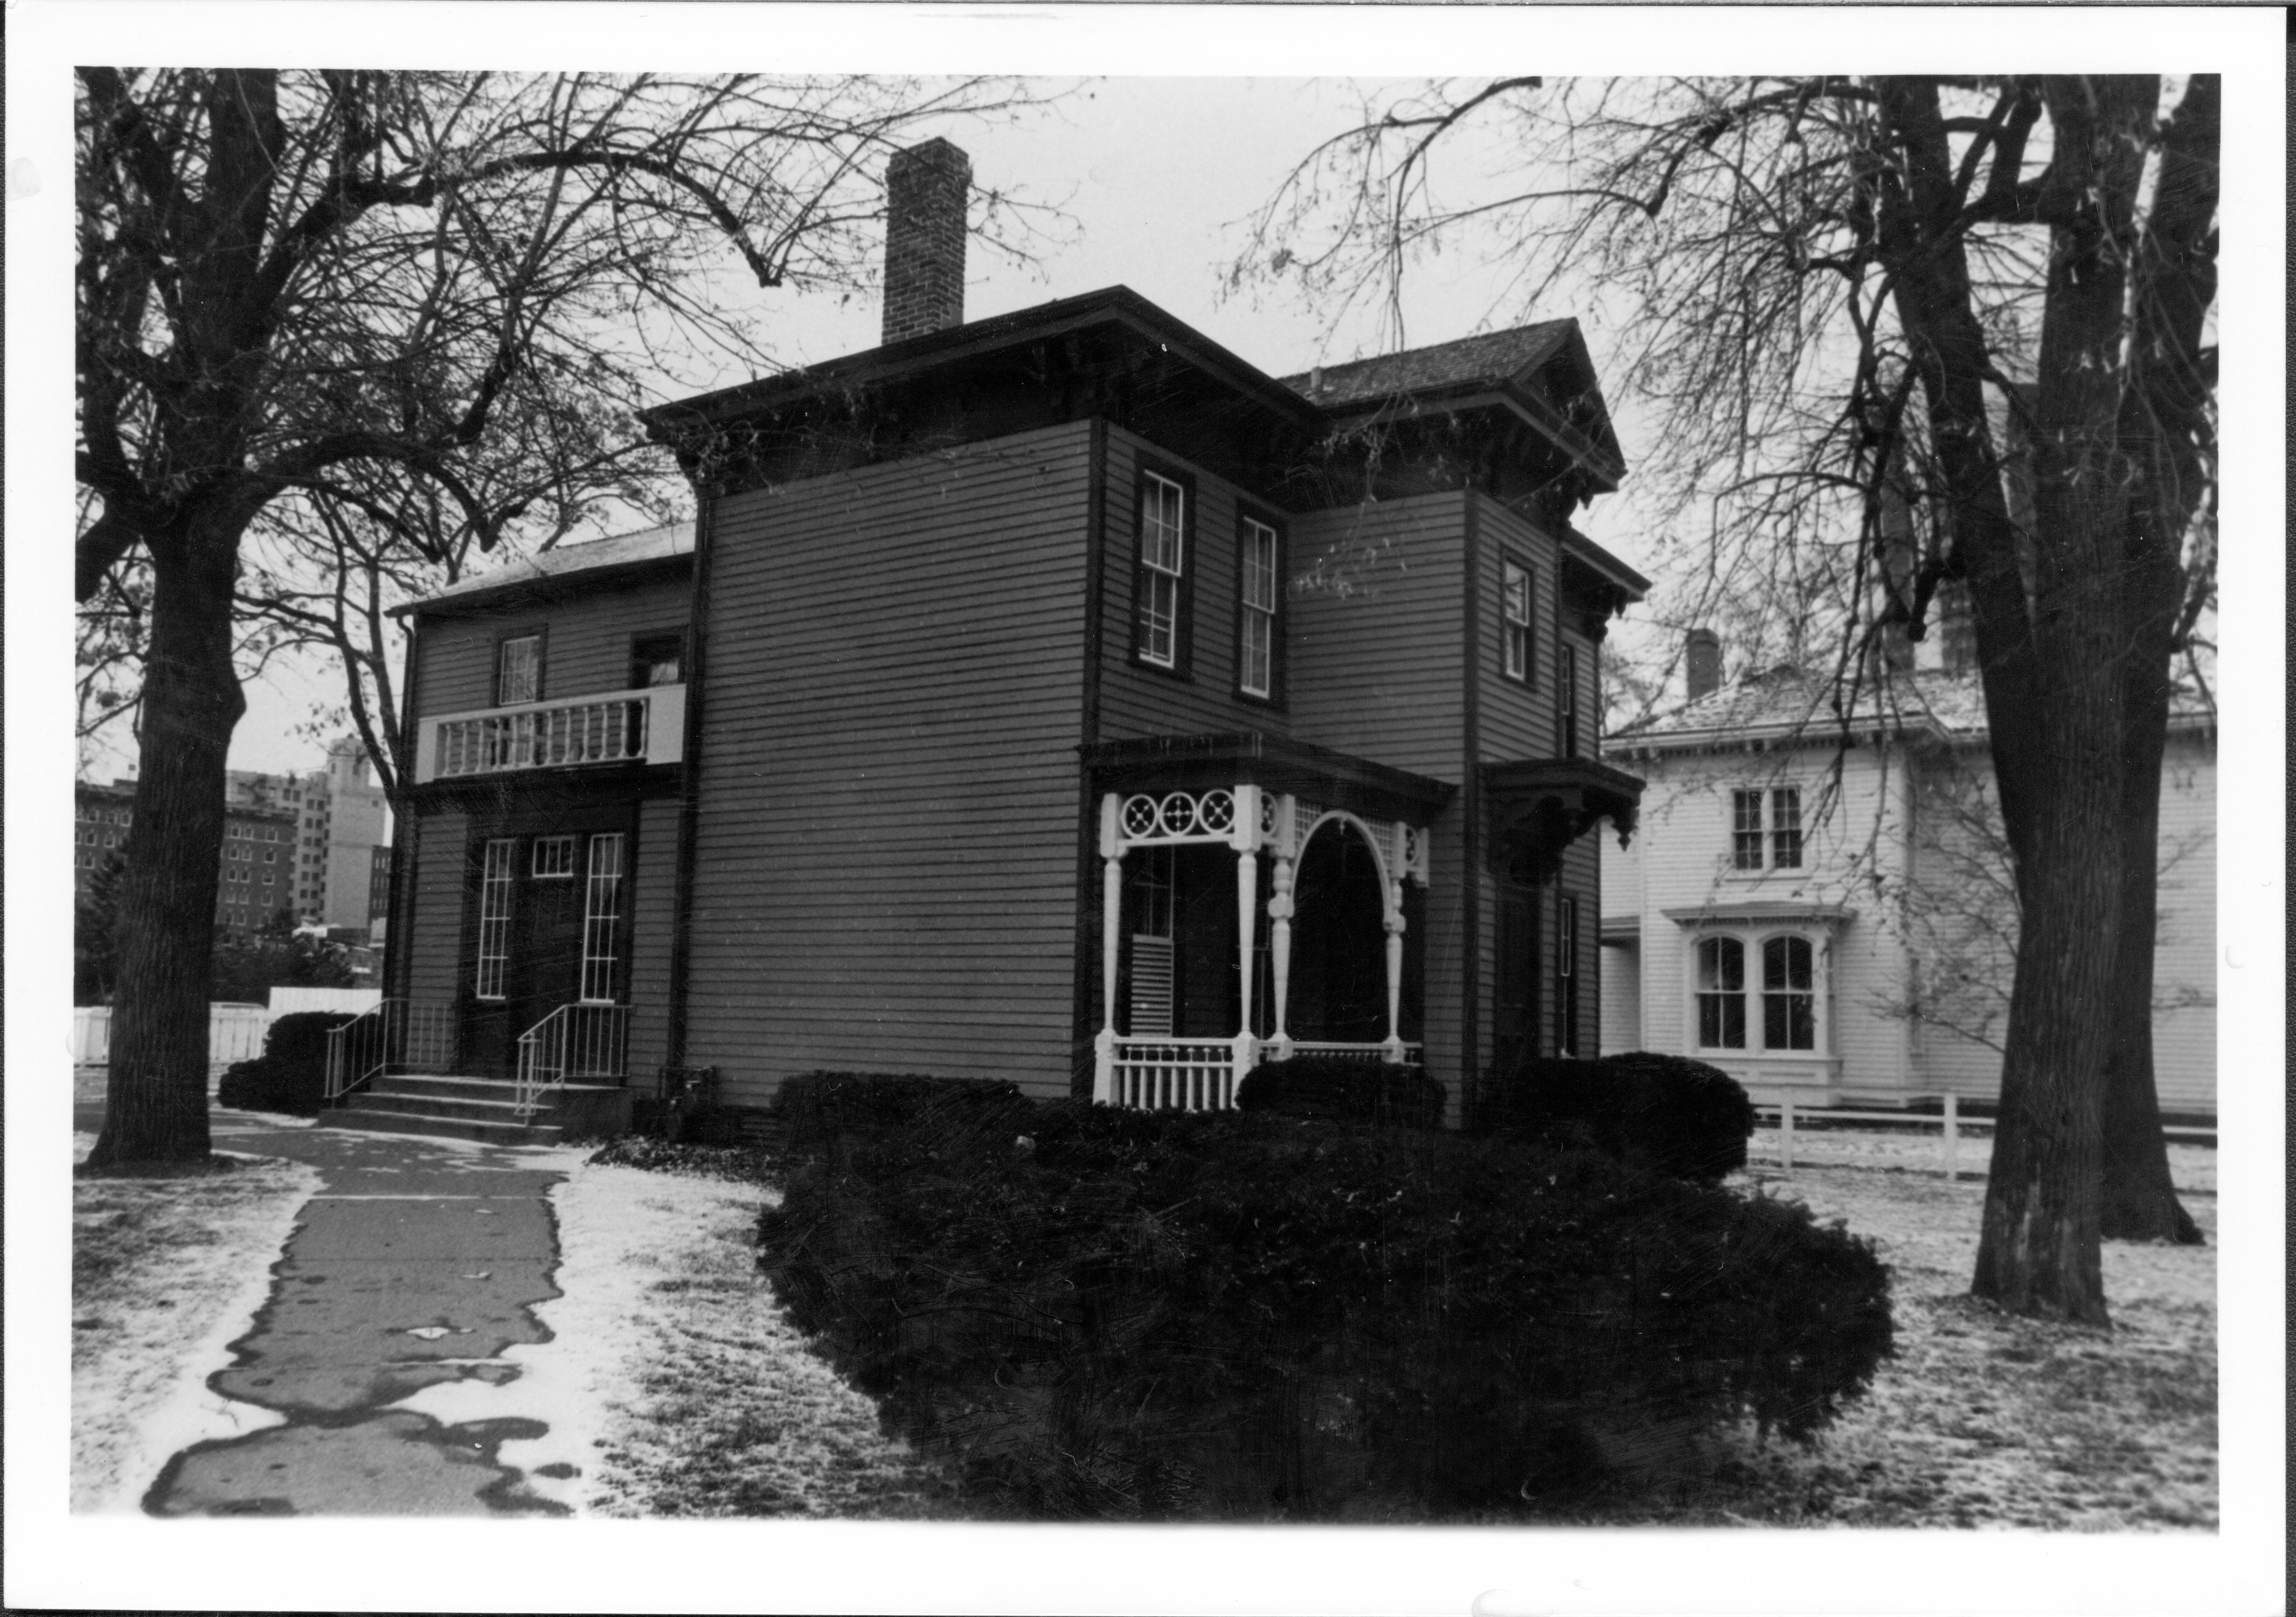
1257, 903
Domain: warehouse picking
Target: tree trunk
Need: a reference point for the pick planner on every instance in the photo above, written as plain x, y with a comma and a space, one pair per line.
2139, 1200
156, 1097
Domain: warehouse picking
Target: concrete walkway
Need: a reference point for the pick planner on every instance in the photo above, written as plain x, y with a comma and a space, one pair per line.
418, 1261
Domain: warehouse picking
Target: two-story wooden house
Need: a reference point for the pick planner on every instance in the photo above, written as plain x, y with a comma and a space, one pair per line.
1052, 697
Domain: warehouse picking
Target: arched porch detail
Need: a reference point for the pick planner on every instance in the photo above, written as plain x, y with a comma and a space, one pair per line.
1200, 1073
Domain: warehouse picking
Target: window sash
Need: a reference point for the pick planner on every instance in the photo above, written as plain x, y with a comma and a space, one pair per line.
601, 912
1746, 830
1785, 827
1566, 700
1163, 514
494, 919
1514, 595
519, 670
1256, 676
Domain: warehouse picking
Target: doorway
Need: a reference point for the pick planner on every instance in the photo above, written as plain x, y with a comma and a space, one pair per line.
546, 931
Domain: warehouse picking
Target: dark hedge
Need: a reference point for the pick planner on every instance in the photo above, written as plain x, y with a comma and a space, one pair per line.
1108, 1313
290, 1075
1344, 1091
819, 1112
1666, 1112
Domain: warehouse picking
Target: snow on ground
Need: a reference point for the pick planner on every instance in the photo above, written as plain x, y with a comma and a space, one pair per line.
1987, 1420
166, 1275
672, 1384
2193, 1167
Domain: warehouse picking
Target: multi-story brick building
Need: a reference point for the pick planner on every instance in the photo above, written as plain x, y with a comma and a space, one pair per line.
255, 870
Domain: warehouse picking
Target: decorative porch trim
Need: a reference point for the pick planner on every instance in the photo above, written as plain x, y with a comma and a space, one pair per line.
1277, 763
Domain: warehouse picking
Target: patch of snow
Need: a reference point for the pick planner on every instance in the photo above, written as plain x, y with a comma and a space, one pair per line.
187, 1265
618, 1229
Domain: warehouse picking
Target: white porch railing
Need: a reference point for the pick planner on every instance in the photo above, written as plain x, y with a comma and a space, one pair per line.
1150, 1074
573, 1043
398, 1035
616, 726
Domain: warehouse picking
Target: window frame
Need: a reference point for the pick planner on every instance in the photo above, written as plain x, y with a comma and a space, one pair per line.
1785, 831
1747, 844
1519, 634
1566, 699
540, 635
603, 920
638, 660
1247, 518
493, 921
1179, 665
1566, 976
1750, 1004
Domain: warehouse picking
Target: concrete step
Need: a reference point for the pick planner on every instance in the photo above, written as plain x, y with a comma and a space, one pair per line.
441, 1084
372, 1121
502, 1110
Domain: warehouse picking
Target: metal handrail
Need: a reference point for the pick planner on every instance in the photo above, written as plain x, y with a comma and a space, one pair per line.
575, 1041
393, 1035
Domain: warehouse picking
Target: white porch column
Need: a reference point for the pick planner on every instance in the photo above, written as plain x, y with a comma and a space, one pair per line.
1394, 1048
1111, 904
1279, 950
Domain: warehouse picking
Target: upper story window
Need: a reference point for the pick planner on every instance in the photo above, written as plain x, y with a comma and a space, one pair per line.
518, 671
1258, 561
1566, 699
1159, 633
657, 660
1748, 843
1515, 616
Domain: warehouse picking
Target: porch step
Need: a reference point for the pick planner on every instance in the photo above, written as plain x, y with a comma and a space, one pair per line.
371, 1121
454, 1106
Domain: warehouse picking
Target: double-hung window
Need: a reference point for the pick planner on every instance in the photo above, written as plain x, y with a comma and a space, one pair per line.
1721, 994
1163, 561
1515, 619
1566, 700
1789, 994
1783, 843
518, 671
1256, 608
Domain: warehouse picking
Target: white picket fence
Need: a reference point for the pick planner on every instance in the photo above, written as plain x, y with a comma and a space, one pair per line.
235, 1031
1950, 1126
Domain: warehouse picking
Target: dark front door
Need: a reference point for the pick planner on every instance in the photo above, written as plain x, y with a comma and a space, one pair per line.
546, 931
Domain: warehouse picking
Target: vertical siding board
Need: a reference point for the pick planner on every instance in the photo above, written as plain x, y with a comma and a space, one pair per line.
886, 845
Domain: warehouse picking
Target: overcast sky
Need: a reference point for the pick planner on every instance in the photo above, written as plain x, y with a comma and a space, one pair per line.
1154, 176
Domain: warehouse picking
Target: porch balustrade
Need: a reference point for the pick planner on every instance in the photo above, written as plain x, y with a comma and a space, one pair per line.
619, 726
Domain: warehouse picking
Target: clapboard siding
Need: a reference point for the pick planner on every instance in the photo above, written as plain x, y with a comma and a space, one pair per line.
653, 910
885, 866
587, 647
1377, 598
434, 931
1516, 718
1136, 699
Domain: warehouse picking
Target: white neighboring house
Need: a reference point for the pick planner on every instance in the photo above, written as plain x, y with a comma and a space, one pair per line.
1822, 908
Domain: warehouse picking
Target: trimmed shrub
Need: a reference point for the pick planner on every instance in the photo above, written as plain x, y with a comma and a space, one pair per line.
1344, 1091
1665, 1113
1120, 1314
821, 1113
290, 1075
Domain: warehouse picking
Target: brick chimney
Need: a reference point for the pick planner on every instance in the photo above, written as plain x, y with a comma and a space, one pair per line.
1701, 660
925, 191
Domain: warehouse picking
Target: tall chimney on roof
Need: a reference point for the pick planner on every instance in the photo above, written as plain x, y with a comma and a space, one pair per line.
926, 188
1701, 660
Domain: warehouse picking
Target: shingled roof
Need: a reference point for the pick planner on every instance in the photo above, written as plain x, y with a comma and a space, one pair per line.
1787, 704
588, 555
1493, 357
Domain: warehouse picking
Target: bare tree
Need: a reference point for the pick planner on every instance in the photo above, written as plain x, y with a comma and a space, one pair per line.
334, 324
1832, 292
